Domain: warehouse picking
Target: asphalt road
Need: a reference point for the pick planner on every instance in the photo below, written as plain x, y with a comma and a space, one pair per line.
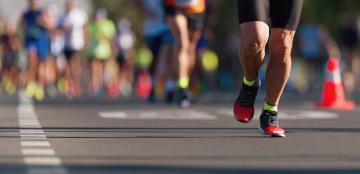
92, 136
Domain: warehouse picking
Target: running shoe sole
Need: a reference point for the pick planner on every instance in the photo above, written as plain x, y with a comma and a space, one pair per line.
274, 135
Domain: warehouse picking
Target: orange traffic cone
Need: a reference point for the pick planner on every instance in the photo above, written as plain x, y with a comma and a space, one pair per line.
333, 96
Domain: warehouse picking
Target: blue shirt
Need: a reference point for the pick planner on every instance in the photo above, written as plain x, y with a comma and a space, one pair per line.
31, 26
154, 25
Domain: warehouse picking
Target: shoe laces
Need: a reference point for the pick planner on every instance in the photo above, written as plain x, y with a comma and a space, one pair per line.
269, 118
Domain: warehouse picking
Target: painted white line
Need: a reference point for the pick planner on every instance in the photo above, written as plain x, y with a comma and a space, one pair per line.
37, 152
149, 115
24, 136
161, 115
113, 115
44, 161
33, 138
317, 115
31, 131
26, 110
30, 126
35, 144
29, 122
39, 157
27, 116
28, 119
290, 114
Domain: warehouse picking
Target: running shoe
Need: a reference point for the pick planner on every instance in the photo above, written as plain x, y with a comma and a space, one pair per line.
244, 104
39, 94
183, 98
269, 124
31, 89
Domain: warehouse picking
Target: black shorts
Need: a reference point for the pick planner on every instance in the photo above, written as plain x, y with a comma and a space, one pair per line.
195, 20
282, 13
70, 53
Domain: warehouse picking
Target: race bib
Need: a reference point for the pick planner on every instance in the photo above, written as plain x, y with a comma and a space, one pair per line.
186, 3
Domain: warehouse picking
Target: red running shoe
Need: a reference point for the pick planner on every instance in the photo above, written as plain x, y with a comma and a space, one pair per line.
269, 124
244, 104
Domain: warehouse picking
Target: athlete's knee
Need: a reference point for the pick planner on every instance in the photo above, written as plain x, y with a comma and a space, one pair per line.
253, 42
183, 46
282, 42
254, 36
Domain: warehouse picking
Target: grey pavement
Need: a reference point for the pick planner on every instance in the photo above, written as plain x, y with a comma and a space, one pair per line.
103, 136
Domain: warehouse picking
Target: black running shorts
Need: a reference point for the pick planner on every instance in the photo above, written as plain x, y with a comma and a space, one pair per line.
195, 20
283, 14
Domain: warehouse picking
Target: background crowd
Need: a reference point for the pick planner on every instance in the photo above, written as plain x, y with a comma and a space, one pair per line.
102, 51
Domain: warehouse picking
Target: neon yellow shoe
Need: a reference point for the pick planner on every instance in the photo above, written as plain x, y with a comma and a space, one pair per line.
30, 89
62, 85
39, 93
9, 86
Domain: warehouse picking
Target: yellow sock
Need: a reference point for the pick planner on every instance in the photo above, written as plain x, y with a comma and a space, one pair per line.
184, 82
249, 83
270, 107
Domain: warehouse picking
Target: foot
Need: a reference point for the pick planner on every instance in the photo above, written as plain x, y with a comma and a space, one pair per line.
269, 124
184, 98
244, 104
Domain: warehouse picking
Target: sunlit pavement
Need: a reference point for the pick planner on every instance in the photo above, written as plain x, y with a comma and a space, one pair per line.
101, 136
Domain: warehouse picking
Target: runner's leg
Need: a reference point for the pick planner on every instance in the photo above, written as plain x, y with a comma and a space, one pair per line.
254, 33
279, 67
178, 25
285, 17
254, 36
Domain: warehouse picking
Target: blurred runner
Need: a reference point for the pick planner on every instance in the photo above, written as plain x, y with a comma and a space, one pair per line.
349, 43
254, 33
13, 57
185, 18
125, 53
158, 38
35, 26
48, 71
102, 32
73, 23
311, 48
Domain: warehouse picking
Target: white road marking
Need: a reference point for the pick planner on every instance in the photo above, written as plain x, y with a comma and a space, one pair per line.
43, 161
31, 131
38, 151
26, 126
39, 157
29, 124
161, 115
35, 144
290, 115
202, 115
113, 114
32, 137
34, 119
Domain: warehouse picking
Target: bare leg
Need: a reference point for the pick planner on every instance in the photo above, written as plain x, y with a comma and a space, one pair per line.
279, 67
254, 36
178, 25
194, 39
